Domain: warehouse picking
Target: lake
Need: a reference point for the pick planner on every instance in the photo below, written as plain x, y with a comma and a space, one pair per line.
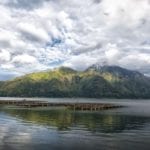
126, 128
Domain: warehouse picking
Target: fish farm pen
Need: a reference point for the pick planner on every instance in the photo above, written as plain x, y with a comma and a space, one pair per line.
70, 105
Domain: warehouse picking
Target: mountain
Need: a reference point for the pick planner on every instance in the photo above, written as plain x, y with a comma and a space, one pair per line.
115, 70
96, 82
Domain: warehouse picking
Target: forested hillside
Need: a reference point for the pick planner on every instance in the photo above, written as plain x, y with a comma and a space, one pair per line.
96, 82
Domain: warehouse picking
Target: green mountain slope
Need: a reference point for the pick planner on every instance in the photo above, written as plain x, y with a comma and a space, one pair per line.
96, 81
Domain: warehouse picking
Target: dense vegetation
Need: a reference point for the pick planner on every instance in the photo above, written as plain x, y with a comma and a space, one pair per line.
96, 81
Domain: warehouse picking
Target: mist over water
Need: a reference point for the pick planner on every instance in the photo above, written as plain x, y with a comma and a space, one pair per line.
125, 128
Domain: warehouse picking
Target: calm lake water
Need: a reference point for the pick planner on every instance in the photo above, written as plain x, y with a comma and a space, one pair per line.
125, 128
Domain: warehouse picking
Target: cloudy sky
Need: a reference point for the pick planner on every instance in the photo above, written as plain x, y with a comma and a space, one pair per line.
43, 34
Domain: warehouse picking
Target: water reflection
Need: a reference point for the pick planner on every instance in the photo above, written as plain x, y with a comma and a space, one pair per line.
64, 120
60, 129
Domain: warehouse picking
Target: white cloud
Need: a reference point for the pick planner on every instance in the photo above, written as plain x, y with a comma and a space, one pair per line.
80, 62
23, 59
4, 56
112, 54
142, 59
48, 33
33, 33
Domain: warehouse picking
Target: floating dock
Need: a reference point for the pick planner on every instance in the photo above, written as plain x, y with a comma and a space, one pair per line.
70, 105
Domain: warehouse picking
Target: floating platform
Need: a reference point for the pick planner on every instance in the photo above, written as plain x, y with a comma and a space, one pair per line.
70, 105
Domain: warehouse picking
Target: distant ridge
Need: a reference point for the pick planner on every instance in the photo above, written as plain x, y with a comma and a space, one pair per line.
96, 82
115, 70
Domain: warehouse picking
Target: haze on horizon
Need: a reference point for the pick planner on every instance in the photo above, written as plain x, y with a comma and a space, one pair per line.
42, 34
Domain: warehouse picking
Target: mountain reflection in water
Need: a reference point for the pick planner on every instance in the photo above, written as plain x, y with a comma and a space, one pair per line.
91, 121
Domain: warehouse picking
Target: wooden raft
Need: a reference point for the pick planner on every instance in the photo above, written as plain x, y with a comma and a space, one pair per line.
71, 105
